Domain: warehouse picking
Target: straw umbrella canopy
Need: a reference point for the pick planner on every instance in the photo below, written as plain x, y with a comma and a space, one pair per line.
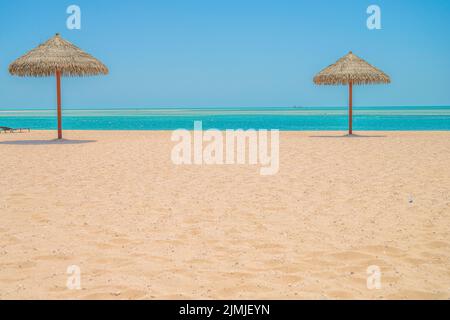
57, 57
351, 70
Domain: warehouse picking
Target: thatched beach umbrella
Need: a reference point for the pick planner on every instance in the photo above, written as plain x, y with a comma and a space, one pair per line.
351, 70
57, 57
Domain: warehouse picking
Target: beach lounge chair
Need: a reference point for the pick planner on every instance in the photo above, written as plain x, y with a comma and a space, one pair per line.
12, 130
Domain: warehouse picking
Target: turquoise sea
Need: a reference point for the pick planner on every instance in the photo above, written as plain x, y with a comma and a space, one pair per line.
282, 118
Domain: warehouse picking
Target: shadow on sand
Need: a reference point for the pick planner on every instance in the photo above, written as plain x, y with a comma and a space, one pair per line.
348, 136
45, 142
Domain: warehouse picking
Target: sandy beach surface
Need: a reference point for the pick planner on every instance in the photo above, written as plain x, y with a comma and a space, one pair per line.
140, 227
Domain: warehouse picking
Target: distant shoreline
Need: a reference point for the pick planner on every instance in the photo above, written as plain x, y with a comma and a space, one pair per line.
399, 107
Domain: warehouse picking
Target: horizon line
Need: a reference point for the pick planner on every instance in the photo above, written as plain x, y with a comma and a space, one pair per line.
217, 107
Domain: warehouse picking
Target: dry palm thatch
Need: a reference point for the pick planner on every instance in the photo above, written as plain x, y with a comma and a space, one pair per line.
351, 69
55, 55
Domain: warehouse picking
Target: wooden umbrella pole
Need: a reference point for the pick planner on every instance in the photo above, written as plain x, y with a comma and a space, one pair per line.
350, 111
58, 90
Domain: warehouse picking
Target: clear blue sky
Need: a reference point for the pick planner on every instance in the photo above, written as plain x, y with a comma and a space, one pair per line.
230, 52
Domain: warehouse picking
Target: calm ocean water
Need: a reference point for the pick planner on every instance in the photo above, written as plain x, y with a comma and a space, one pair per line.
295, 118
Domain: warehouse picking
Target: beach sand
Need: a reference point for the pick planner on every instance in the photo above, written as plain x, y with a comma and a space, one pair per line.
140, 227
